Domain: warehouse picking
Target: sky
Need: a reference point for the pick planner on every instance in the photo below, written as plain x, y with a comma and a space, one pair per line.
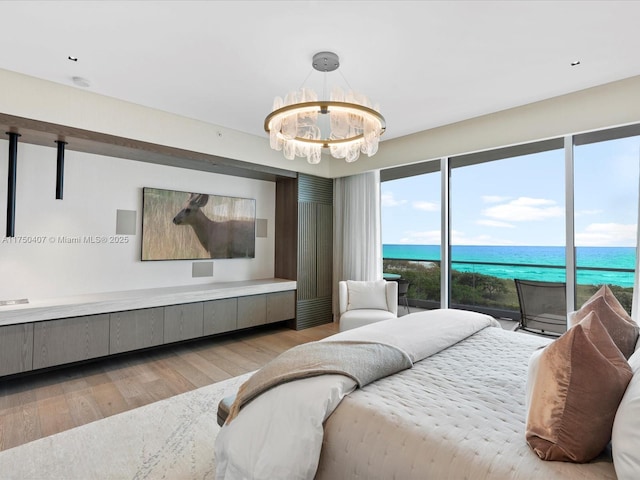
521, 200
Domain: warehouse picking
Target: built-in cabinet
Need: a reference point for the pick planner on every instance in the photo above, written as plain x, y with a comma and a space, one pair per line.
183, 322
304, 245
220, 316
252, 311
47, 343
16, 348
281, 306
70, 340
136, 329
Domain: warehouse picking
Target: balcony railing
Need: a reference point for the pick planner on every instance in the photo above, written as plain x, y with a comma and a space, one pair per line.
474, 287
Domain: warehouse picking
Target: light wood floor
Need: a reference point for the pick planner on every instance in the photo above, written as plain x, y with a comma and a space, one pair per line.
41, 404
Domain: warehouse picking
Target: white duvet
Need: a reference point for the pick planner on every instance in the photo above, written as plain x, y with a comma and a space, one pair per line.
279, 434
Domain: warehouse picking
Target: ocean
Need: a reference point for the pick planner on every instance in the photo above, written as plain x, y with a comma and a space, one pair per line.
532, 263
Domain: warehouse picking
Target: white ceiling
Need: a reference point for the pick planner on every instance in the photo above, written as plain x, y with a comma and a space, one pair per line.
426, 63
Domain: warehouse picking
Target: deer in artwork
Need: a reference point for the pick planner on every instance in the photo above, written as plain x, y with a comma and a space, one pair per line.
226, 239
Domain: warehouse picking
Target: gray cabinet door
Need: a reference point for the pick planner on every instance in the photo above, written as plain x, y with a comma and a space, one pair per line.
56, 342
136, 329
252, 311
182, 322
16, 348
220, 316
281, 306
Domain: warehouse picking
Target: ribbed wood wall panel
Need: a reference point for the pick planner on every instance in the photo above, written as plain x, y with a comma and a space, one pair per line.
307, 231
324, 250
313, 312
304, 244
315, 189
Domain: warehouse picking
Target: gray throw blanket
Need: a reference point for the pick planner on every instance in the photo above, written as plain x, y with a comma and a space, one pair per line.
364, 362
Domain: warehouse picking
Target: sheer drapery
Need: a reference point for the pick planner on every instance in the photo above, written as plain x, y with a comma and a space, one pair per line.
636, 278
357, 248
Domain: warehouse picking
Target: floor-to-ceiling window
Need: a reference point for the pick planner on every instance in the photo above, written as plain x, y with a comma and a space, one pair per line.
606, 176
410, 209
509, 219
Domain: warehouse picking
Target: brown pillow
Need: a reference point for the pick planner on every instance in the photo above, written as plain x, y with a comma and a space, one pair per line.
622, 329
580, 380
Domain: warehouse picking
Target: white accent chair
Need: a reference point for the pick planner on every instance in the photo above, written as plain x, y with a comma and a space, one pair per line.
363, 302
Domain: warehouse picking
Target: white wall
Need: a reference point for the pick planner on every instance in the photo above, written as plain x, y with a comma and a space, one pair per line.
94, 188
46, 101
604, 106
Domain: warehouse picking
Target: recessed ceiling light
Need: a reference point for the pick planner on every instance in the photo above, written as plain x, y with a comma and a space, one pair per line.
81, 81
72, 58
575, 62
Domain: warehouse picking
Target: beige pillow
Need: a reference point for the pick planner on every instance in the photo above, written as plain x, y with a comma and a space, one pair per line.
622, 329
367, 294
579, 382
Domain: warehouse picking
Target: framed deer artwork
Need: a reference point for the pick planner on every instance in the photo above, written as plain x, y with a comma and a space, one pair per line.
188, 226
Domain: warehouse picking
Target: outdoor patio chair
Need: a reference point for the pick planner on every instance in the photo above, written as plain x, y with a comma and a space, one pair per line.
543, 306
403, 288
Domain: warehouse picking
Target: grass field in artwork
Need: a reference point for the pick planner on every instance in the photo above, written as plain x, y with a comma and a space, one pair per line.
162, 239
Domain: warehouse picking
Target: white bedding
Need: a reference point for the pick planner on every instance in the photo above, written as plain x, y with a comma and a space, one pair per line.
459, 413
279, 434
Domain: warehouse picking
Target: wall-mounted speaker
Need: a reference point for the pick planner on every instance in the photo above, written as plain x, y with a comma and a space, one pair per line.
202, 269
261, 227
125, 222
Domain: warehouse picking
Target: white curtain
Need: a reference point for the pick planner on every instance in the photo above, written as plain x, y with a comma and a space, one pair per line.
636, 281
357, 244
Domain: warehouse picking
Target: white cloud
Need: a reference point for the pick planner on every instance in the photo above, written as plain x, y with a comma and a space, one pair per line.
607, 235
495, 223
426, 206
493, 198
387, 200
525, 209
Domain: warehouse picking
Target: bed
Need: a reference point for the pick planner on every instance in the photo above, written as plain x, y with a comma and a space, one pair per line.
458, 413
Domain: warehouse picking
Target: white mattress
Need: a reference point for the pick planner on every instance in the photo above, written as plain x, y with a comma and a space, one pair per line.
459, 414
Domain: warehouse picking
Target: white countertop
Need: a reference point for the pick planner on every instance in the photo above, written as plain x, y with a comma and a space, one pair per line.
52, 308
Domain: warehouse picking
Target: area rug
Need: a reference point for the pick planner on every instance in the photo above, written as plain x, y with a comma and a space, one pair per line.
170, 439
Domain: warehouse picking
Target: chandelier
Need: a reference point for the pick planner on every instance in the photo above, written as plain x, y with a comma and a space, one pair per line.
346, 124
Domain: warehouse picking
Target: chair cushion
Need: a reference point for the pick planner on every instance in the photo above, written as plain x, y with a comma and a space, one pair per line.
357, 318
622, 329
369, 295
579, 381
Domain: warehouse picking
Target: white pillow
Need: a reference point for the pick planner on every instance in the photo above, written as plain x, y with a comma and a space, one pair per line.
625, 437
532, 373
363, 294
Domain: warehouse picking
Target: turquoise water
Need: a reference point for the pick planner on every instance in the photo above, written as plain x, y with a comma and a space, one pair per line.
515, 258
